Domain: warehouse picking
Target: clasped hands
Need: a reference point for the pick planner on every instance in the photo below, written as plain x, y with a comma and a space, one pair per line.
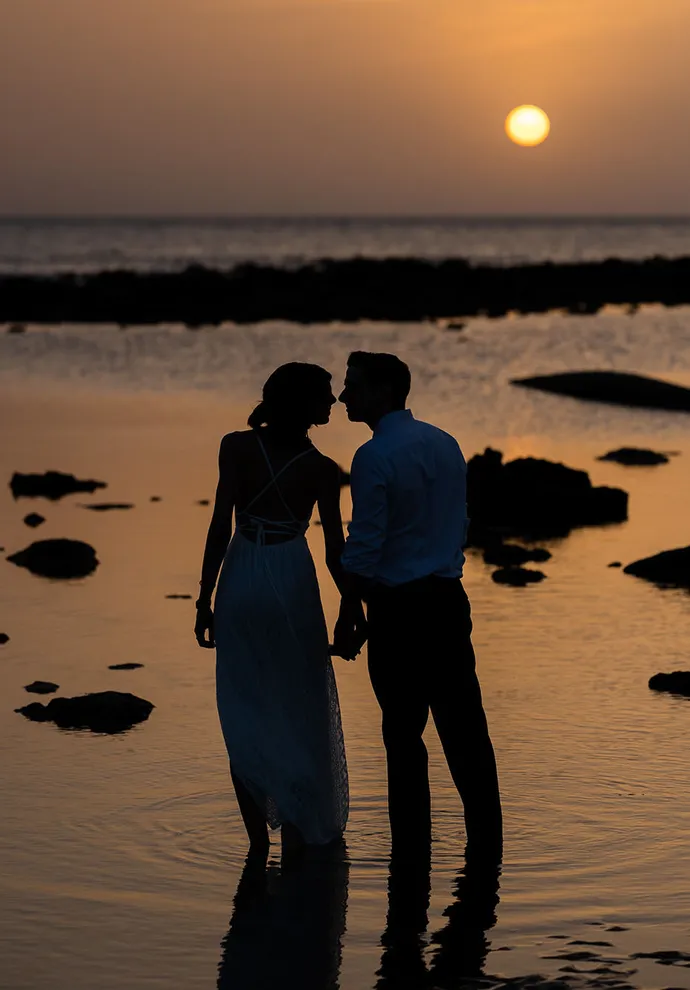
351, 630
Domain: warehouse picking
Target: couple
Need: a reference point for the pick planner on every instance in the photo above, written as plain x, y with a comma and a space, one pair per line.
277, 697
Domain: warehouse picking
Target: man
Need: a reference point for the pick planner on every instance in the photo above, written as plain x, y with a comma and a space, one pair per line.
404, 558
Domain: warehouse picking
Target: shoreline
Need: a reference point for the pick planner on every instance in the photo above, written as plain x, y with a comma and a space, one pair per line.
393, 289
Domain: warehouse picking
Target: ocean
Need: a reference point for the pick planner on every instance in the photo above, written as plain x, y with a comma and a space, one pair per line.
124, 856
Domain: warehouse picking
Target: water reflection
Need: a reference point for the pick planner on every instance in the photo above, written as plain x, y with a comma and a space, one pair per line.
460, 947
287, 924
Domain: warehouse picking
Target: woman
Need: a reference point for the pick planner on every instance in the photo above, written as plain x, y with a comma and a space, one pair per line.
277, 697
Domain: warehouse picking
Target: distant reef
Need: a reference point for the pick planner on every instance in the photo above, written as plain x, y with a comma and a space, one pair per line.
396, 289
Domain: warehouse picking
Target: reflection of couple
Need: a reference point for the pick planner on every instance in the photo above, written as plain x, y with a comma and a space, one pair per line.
403, 558
287, 926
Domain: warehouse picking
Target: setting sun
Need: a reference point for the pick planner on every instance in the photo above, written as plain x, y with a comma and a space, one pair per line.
527, 125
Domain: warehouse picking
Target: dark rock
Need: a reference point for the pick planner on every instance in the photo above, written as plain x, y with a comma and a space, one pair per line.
41, 687
534, 498
513, 555
107, 506
676, 683
125, 666
16, 328
187, 597
634, 456
33, 520
615, 563
664, 956
518, 577
155, 498
106, 711
348, 289
456, 325
670, 568
616, 387
57, 559
203, 501
4, 638
53, 485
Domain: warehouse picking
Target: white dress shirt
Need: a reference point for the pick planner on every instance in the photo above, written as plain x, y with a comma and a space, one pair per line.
409, 503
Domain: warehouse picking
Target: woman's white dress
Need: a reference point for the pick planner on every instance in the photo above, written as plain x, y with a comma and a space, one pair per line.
276, 690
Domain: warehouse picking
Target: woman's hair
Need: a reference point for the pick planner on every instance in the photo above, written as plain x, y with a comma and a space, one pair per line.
289, 397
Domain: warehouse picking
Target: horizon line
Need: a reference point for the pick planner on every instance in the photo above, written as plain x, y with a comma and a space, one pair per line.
7, 218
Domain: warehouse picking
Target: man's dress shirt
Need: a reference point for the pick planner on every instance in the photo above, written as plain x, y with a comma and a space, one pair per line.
409, 503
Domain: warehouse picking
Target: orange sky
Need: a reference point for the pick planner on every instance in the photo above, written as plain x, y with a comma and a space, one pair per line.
342, 106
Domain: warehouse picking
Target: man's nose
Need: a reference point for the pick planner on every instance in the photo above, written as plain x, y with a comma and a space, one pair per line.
341, 397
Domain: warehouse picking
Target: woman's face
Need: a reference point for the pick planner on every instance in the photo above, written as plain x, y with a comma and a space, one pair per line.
323, 403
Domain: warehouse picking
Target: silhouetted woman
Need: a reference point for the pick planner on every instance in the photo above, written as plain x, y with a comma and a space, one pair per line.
277, 696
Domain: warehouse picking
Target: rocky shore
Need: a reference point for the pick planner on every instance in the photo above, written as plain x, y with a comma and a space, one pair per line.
397, 289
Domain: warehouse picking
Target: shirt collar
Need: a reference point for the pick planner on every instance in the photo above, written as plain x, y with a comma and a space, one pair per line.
392, 421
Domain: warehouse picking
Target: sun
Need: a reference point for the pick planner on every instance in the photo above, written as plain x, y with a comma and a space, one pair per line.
527, 125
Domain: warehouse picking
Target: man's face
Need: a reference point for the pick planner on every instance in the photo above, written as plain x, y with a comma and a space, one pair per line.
359, 397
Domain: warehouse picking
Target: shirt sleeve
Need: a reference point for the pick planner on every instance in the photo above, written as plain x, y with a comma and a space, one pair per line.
367, 531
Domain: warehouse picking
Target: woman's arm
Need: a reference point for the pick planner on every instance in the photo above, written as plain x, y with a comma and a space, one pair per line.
219, 533
351, 628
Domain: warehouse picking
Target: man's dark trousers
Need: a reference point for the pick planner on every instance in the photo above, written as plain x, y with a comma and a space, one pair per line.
421, 658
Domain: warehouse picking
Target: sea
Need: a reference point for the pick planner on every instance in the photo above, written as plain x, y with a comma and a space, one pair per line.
124, 857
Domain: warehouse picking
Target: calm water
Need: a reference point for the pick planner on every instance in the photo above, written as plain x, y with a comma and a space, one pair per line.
90, 245
122, 855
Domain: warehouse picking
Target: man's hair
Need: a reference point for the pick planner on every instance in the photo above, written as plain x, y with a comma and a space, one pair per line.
384, 369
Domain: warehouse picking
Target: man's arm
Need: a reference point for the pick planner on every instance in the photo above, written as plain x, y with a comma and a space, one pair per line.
367, 531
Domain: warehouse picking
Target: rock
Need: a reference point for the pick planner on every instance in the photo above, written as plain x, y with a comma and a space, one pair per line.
57, 559
513, 555
179, 596
456, 325
106, 711
203, 501
670, 568
16, 328
155, 498
41, 687
615, 563
518, 577
633, 456
619, 388
676, 683
4, 638
53, 485
125, 666
33, 520
534, 499
107, 506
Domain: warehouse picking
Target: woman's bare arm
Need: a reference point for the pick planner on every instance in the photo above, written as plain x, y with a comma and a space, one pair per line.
331, 519
220, 527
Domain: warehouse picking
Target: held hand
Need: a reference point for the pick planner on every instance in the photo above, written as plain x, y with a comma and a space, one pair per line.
350, 632
203, 628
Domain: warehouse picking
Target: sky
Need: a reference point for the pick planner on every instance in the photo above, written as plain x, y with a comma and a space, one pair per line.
342, 107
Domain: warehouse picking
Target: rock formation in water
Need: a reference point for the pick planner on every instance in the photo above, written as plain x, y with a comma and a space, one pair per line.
619, 388
33, 520
351, 289
41, 687
635, 457
4, 638
53, 485
676, 683
670, 568
57, 559
518, 577
106, 711
107, 506
125, 666
534, 499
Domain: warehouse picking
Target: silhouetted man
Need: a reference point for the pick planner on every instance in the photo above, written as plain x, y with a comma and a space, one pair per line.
404, 557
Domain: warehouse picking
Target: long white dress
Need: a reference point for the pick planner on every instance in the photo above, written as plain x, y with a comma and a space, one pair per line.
276, 690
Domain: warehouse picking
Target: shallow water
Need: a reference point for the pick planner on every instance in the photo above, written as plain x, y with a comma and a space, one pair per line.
121, 855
